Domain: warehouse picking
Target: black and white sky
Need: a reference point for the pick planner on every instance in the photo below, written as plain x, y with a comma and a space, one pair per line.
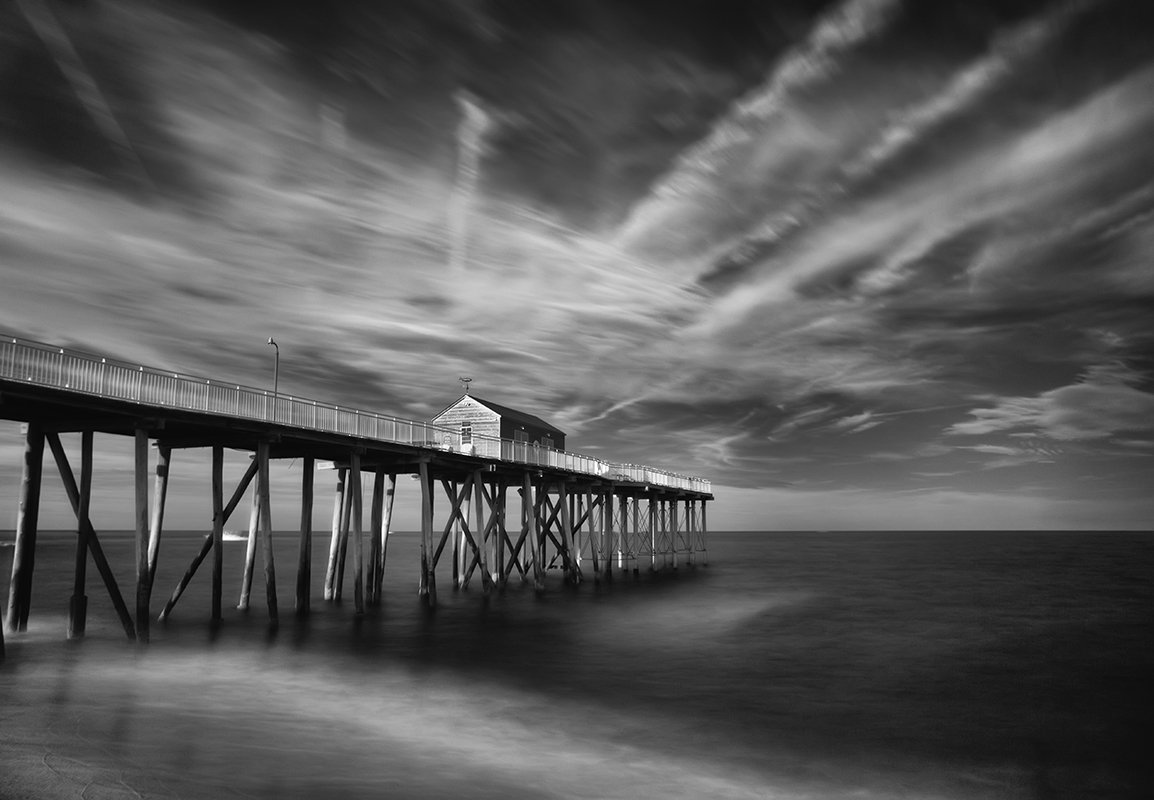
864, 264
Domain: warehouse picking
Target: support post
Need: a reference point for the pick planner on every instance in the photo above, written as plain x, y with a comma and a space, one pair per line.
501, 532
143, 573
479, 531
266, 530
673, 530
27, 521
217, 530
160, 495
623, 536
636, 541
305, 552
596, 533
572, 574
458, 539
343, 539
334, 543
691, 529
705, 558
376, 512
78, 606
652, 534
250, 548
607, 533
386, 528
529, 515
358, 534
428, 585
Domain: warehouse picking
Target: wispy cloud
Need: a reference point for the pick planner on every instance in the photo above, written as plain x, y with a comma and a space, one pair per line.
1103, 403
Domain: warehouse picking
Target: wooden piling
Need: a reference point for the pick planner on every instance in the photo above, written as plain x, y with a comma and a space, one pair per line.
502, 534
376, 514
623, 532
343, 540
572, 572
160, 495
250, 548
386, 528
687, 518
704, 533
652, 533
530, 509
479, 533
78, 605
305, 552
27, 522
334, 542
217, 530
607, 534
457, 537
266, 530
143, 573
596, 531
358, 534
428, 585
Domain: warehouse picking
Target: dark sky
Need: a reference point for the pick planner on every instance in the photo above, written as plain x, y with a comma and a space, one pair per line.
864, 264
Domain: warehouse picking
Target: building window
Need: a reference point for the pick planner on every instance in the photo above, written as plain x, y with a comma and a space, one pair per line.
466, 433
546, 441
520, 436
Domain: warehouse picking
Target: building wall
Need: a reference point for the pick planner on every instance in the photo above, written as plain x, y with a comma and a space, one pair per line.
509, 430
484, 421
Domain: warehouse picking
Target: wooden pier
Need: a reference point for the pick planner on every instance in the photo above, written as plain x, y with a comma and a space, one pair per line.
588, 517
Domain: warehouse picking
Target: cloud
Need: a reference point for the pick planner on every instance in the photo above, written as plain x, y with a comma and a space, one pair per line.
857, 423
707, 171
966, 88
1100, 405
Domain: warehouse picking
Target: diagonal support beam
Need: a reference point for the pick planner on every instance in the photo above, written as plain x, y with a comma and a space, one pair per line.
209, 539
98, 557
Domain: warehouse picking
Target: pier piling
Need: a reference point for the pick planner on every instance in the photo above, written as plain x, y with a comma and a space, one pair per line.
27, 521
305, 552
78, 605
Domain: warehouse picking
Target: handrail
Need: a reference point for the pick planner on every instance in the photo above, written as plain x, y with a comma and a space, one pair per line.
55, 367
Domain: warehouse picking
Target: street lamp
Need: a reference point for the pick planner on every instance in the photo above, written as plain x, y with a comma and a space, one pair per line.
276, 367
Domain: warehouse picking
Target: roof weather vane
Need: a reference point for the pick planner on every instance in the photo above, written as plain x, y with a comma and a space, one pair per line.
465, 382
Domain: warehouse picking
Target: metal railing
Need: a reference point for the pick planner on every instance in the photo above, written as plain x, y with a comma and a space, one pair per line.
45, 365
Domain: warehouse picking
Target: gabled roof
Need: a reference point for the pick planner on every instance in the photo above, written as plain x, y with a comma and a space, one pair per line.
510, 414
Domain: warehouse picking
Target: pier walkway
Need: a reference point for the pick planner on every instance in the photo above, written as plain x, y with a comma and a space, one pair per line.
576, 511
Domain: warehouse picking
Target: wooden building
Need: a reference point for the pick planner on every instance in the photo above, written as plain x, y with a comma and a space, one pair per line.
480, 421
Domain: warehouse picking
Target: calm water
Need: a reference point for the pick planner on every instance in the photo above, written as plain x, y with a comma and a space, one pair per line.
991, 665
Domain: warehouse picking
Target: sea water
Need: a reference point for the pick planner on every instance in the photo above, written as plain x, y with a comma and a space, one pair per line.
794, 665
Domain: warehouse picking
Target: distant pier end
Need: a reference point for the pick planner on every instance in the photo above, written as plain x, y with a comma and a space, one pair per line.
589, 517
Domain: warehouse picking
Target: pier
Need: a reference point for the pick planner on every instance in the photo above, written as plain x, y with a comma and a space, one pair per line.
499, 509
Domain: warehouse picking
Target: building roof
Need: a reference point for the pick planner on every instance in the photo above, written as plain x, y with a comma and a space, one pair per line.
510, 414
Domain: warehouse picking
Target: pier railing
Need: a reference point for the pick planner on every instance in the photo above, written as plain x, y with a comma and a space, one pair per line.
55, 367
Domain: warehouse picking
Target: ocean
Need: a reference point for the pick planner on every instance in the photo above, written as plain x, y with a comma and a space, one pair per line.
793, 665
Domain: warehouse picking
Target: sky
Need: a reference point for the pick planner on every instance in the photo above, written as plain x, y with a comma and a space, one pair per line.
863, 264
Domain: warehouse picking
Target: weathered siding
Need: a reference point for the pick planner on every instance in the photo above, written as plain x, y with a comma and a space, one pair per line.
509, 429
485, 422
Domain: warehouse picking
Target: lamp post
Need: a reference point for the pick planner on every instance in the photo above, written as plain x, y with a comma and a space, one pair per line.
276, 367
